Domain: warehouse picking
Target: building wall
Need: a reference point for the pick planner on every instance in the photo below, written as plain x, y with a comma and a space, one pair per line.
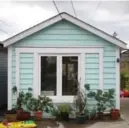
66, 34
124, 64
3, 77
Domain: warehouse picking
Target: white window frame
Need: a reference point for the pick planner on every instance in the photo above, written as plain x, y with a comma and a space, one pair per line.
59, 76
60, 50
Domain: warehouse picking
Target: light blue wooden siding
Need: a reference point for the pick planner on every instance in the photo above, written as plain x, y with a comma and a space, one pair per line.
92, 70
26, 71
67, 34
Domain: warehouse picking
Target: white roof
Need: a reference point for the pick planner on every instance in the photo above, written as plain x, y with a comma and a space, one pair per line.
69, 18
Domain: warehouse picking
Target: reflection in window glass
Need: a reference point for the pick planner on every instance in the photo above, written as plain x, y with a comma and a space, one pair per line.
69, 75
48, 75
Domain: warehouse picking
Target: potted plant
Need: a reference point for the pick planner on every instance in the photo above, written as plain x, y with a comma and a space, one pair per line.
41, 104
115, 114
105, 99
101, 103
93, 114
10, 115
80, 103
64, 111
55, 112
22, 101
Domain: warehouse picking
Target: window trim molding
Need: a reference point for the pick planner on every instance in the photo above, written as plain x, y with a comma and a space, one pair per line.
59, 76
60, 51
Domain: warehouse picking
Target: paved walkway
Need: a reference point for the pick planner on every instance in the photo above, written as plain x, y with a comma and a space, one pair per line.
125, 109
113, 124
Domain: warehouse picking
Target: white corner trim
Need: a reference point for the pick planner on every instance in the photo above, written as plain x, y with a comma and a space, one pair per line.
9, 77
118, 79
82, 69
17, 69
58, 18
59, 75
35, 75
39, 75
101, 69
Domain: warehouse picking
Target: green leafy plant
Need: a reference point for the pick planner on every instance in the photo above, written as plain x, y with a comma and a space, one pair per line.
55, 111
124, 76
31, 104
92, 113
101, 101
104, 100
40, 103
14, 89
64, 108
22, 100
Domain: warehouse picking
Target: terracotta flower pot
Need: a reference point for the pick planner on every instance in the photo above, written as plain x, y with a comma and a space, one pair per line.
10, 115
38, 115
115, 114
19, 111
23, 116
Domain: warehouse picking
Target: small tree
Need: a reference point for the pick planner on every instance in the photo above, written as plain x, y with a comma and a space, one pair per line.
124, 80
80, 101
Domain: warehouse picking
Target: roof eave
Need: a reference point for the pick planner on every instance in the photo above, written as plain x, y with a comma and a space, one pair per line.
71, 19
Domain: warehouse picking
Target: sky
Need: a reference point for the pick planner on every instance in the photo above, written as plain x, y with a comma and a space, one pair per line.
109, 16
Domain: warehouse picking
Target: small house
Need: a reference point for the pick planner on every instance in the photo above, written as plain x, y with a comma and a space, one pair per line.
51, 55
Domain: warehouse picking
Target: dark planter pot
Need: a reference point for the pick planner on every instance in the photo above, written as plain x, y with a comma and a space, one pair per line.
64, 116
10, 115
115, 114
87, 117
100, 115
23, 116
38, 115
81, 119
93, 117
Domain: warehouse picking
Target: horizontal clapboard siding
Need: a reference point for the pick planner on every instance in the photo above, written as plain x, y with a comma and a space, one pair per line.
67, 34
26, 70
92, 70
62, 34
109, 68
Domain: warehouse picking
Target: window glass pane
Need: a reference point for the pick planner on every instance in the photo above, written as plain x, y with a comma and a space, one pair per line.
69, 75
48, 75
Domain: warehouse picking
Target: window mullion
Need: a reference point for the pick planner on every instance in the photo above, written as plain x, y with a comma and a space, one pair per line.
59, 75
